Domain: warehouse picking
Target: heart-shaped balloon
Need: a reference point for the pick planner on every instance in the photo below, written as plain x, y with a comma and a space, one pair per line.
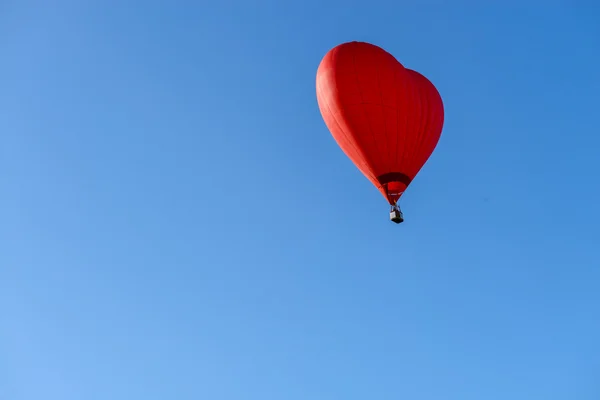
386, 118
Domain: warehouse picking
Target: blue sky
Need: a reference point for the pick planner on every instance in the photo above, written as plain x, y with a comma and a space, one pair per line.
176, 222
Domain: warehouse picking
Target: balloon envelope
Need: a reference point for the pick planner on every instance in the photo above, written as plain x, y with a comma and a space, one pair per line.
386, 118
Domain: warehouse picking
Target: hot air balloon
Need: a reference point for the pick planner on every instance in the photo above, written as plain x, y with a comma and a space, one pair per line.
386, 118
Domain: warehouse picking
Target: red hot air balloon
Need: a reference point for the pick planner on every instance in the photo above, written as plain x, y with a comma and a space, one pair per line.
386, 118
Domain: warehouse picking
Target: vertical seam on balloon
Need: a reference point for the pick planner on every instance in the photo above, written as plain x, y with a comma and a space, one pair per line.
387, 147
430, 123
350, 142
422, 129
433, 130
435, 127
395, 164
393, 159
426, 129
365, 167
408, 105
362, 103
416, 155
398, 163
418, 130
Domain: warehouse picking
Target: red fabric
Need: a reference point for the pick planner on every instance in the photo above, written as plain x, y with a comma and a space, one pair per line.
386, 118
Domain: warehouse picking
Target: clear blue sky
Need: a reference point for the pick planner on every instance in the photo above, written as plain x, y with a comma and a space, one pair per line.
176, 222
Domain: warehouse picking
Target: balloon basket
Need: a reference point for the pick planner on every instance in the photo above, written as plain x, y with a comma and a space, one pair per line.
396, 215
